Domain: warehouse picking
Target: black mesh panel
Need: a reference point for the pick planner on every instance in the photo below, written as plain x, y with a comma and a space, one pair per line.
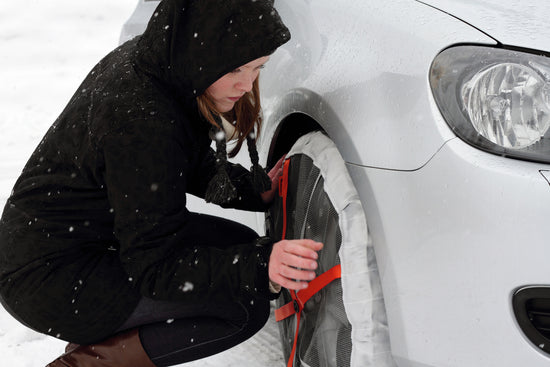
325, 332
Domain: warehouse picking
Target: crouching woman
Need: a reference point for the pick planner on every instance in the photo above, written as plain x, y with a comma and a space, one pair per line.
97, 246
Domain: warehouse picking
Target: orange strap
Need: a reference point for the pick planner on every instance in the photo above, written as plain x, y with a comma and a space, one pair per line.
283, 192
300, 298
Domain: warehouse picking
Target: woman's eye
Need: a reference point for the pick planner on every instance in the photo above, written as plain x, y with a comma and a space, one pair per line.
236, 71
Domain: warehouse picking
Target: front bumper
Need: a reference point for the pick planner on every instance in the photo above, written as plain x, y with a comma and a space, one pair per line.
454, 240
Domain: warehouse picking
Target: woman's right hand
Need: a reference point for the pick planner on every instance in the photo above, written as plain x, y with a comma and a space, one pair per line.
292, 263
274, 174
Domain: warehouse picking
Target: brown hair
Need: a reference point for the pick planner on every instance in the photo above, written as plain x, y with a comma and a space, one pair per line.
246, 114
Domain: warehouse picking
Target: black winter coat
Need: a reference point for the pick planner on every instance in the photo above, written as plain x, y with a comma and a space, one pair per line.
98, 216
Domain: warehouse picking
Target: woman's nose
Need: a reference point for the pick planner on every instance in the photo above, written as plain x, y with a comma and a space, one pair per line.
246, 81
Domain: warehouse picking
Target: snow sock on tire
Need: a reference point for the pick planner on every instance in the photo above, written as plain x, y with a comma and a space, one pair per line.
343, 323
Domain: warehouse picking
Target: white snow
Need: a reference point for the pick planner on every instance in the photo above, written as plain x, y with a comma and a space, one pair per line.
46, 49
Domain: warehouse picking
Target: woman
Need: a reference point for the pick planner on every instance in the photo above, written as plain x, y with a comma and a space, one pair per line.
96, 244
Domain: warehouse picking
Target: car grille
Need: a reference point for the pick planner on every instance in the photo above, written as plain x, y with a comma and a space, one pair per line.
532, 310
538, 310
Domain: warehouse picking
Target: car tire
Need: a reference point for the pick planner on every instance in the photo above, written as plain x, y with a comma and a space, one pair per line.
344, 324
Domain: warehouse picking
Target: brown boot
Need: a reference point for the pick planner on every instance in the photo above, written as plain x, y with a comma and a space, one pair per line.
70, 347
121, 350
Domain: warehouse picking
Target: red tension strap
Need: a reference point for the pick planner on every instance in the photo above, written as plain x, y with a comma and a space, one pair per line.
300, 298
283, 192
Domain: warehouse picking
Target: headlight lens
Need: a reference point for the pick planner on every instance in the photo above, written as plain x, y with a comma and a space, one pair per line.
495, 99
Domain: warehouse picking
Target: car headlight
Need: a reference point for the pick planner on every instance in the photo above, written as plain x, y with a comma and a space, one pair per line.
495, 99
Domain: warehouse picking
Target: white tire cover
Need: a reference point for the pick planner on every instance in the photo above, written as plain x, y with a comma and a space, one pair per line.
362, 294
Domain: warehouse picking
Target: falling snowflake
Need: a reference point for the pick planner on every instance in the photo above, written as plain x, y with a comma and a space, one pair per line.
187, 287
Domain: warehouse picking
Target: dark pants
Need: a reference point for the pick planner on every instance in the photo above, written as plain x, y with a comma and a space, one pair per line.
174, 333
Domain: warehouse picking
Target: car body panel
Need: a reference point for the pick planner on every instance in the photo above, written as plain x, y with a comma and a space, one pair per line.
137, 22
336, 77
512, 23
449, 261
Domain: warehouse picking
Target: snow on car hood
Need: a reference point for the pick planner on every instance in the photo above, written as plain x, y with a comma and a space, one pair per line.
510, 22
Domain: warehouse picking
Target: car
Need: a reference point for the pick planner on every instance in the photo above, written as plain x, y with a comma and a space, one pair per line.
416, 140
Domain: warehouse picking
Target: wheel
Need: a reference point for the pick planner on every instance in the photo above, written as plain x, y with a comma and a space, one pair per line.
344, 324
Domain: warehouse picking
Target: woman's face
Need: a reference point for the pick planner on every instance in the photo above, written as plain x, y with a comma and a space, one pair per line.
227, 90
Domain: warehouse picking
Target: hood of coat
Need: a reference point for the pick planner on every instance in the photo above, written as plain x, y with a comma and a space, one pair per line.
189, 44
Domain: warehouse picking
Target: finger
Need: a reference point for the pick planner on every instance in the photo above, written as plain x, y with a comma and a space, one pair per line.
303, 248
277, 173
274, 176
289, 283
298, 261
296, 274
307, 243
277, 170
279, 163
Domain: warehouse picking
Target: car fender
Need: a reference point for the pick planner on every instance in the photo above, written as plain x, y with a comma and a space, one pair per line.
365, 82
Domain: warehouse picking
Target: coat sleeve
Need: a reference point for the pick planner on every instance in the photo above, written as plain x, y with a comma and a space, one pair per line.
146, 170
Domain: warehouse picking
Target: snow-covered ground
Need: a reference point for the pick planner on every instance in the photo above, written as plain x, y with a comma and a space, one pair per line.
46, 49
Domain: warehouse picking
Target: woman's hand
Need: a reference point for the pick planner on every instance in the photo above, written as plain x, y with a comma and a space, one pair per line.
292, 263
274, 175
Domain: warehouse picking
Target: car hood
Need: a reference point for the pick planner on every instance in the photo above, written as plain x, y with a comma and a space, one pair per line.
510, 22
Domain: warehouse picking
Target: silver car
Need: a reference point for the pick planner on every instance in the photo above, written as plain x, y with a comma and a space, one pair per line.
439, 113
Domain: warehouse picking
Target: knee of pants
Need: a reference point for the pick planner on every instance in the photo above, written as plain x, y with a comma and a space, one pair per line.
251, 313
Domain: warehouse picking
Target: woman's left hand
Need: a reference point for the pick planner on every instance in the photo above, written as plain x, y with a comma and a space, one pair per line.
274, 174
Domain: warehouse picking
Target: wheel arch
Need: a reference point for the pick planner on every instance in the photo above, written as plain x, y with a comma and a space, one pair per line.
289, 130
